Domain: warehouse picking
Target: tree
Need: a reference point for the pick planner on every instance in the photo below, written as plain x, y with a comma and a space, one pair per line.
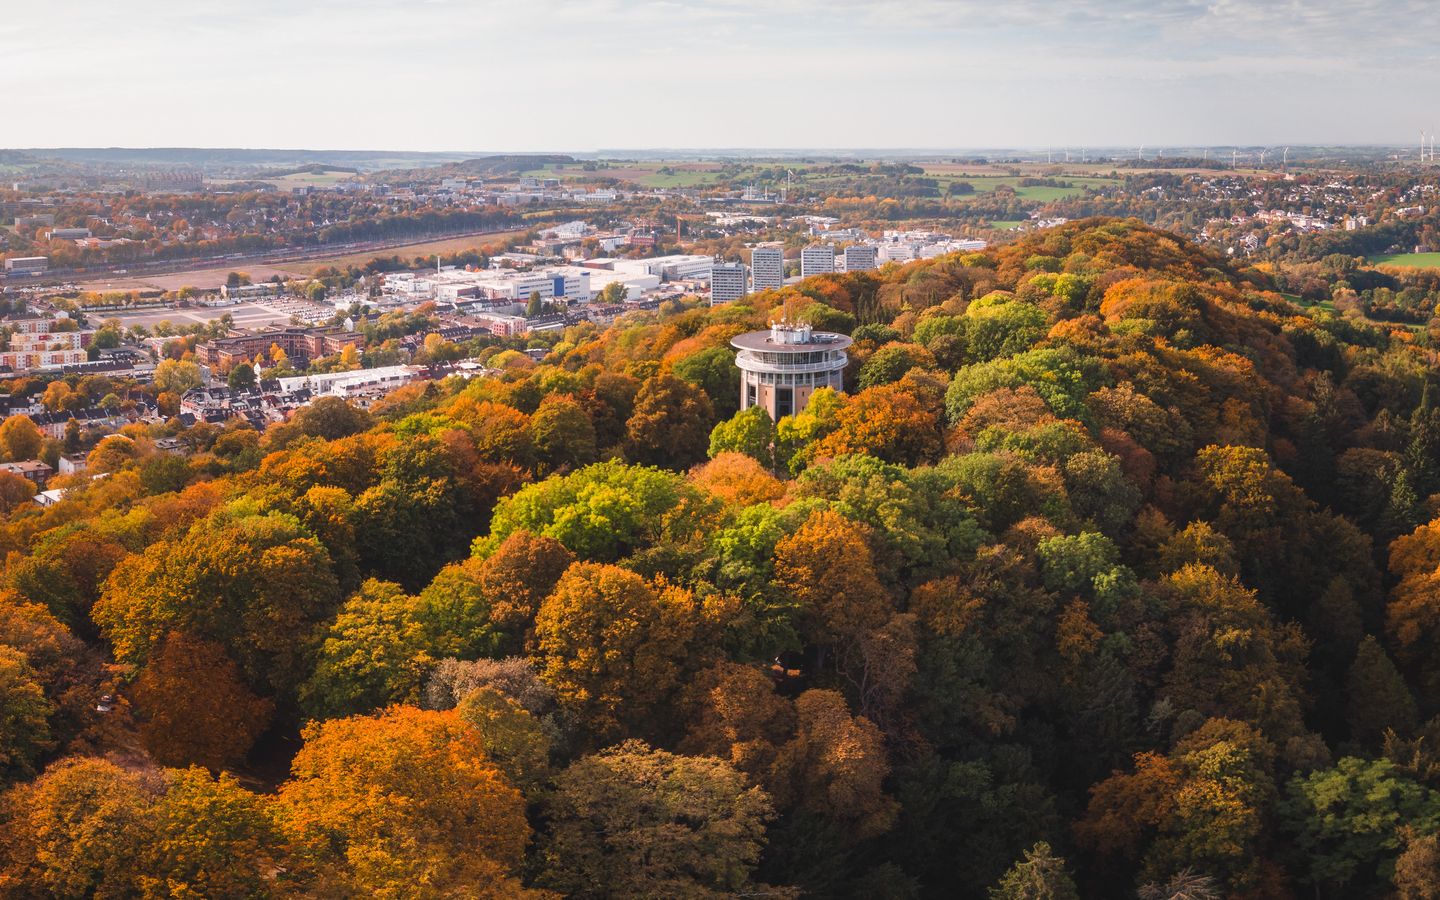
613, 647
516, 740
562, 434
212, 838
373, 654
601, 512
194, 707
614, 293
111, 454
259, 585
535, 306
384, 803
738, 480
21, 438
79, 830
1040, 875
829, 570
836, 767
517, 577
242, 377
1378, 696
1417, 870
177, 376
331, 418
713, 370
671, 423
1346, 821
25, 714
632, 821
749, 431
15, 490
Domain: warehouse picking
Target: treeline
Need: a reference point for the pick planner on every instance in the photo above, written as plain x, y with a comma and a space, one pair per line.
1111, 572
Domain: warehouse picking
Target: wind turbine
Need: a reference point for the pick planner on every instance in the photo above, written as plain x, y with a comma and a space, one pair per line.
1234, 158
1140, 153
1285, 164
1262, 157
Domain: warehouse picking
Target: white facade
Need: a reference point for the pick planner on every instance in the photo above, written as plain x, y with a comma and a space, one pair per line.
817, 259
728, 282
767, 267
679, 267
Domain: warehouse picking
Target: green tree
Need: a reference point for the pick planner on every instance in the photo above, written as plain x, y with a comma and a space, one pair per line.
1040, 875
750, 432
241, 378
1347, 821
562, 434
373, 654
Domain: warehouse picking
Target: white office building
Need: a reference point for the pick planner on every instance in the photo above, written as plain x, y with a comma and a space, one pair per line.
861, 257
817, 259
767, 267
727, 282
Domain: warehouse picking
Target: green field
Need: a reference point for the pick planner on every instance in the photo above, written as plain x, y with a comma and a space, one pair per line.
1006, 223
1408, 260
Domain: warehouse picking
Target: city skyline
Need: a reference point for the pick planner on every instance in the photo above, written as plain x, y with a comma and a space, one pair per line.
583, 75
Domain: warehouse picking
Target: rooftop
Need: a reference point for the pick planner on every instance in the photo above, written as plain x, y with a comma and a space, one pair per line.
790, 337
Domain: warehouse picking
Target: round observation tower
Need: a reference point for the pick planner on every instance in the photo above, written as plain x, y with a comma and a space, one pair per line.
781, 368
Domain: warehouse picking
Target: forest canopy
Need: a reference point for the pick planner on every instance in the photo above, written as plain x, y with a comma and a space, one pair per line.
1112, 572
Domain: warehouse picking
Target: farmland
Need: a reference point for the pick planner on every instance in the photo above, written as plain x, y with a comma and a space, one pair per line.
309, 267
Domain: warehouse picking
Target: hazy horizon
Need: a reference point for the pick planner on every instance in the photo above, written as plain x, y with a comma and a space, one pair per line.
548, 74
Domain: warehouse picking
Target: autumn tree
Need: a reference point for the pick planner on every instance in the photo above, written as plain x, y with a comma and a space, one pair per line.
80, 830
21, 438
635, 821
258, 585
194, 706
210, 837
613, 646
25, 714
383, 803
671, 423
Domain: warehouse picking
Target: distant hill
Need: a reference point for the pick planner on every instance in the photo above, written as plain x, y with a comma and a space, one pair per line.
230, 158
504, 164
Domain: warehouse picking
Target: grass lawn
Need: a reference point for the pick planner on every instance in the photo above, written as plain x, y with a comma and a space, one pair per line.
1006, 223
1408, 260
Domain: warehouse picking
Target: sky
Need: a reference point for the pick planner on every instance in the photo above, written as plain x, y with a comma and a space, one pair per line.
586, 75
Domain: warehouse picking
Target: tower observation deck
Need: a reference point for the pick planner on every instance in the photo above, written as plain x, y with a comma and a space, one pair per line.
781, 369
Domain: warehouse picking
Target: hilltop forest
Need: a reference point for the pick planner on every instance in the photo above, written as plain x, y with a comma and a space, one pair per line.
1113, 573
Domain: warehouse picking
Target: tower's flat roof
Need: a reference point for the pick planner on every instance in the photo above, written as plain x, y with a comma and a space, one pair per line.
819, 340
